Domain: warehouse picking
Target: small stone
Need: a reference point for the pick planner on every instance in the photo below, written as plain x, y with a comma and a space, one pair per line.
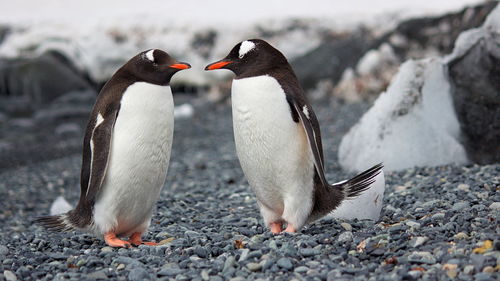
171, 271
201, 252
463, 187
418, 241
452, 273
422, 257
495, 206
459, 206
3, 250
345, 237
252, 266
9, 275
244, 254
285, 263
346, 226
138, 274
461, 235
97, 275
273, 245
413, 224
120, 266
488, 269
106, 249
307, 252
301, 269
229, 263
204, 275
469, 269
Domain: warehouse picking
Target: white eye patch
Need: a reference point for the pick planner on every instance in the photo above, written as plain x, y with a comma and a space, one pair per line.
246, 46
150, 56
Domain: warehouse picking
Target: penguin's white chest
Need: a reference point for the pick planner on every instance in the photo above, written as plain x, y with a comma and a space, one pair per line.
138, 160
272, 148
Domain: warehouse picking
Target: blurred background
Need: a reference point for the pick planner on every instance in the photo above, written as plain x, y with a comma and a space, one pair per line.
55, 57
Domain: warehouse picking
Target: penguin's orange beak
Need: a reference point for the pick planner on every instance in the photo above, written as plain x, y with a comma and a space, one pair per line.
217, 65
180, 65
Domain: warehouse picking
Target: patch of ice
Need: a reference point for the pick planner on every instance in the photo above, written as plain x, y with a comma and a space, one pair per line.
367, 205
59, 206
412, 124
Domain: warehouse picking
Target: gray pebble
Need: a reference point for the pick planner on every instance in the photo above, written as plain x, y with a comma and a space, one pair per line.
345, 237
138, 274
252, 266
3, 250
285, 263
9, 275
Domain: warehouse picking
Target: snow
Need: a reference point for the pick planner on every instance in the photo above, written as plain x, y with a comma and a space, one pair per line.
412, 124
366, 206
99, 36
374, 59
59, 206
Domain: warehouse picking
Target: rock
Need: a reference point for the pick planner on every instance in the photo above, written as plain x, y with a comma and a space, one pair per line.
332, 57
138, 274
252, 266
346, 226
285, 263
27, 84
474, 72
459, 206
3, 250
413, 224
345, 237
488, 269
68, 129
461, 235
97, 275
469, 269
414, 112
9, 275
422, 257
495, 206
418, 241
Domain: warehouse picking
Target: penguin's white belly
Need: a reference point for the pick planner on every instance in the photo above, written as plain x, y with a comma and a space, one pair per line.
273, 149
139, 158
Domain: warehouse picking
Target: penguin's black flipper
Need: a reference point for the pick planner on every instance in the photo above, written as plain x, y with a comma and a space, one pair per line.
305, 113
100, 144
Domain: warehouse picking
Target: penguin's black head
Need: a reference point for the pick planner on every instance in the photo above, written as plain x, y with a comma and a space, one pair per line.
153, 66
251, 58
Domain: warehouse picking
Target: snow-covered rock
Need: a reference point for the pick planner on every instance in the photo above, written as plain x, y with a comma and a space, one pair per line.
59, 206
412, 124
474, 72
366, 206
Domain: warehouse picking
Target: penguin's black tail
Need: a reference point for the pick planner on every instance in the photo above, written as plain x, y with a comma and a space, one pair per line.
56, 223
359, 183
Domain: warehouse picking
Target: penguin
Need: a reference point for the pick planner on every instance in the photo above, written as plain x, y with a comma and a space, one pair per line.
278, 140
126, 152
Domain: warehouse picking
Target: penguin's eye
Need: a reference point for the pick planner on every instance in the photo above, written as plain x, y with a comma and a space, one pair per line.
246, 46
150, 55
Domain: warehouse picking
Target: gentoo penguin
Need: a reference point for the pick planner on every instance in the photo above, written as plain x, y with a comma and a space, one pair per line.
278, 140
126, 152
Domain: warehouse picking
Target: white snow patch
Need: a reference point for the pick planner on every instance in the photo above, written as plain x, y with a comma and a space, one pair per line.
60, 206
150, 56
245, 47
367, 205
374, 59
412, 124
183, 111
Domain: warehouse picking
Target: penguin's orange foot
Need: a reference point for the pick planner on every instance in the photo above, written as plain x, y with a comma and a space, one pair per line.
290, 229
276, 227
111, 239
136, 239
